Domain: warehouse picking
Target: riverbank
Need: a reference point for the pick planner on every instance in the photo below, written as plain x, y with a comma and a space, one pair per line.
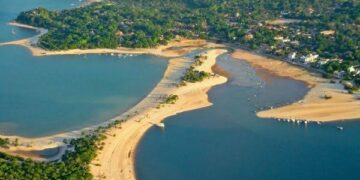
314, 106
174, 48
116, 159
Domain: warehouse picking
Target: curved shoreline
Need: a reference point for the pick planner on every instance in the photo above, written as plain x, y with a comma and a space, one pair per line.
116, 159
313, 107
174, 48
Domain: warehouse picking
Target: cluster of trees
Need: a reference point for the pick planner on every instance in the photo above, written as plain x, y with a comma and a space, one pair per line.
171, 99
4, 142
192, 75
74, 164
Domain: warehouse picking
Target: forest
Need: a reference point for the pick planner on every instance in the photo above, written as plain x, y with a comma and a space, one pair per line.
142, 24
74, 164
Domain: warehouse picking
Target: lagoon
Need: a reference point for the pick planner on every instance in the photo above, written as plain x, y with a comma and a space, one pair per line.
46, 95
228, 141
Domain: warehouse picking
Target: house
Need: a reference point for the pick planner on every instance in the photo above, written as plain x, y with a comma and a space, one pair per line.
354, 69
338, 74
282, 39
295, 43
351, 69
309, 58
292, 56
249, 36
119, 33
336, 60
322, 62
327, 32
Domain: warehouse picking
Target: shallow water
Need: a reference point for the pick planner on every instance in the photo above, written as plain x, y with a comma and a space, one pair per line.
10, 9
46, 95
227, 140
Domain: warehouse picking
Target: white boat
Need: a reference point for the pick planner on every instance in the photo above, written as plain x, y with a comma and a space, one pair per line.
340, 128
13, 32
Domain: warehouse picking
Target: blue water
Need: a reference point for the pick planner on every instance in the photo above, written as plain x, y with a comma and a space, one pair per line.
227, 140
46, 95
10, 9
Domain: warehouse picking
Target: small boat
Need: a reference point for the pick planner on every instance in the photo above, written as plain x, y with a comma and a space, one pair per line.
340, 128
318, 122
13, 32
305, 122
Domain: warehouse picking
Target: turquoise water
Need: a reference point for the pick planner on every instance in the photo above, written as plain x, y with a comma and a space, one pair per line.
46, 95
227, 141
10, 9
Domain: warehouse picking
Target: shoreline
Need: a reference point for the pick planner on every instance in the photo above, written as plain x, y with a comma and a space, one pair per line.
313, 107
175, 48
116, 159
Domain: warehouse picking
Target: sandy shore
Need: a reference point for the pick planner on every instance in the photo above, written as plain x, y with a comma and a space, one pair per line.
116, 159
314, 107
174, 48
27, 146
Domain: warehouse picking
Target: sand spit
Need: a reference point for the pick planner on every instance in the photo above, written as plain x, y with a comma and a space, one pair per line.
314, 106
116, 159
175, 48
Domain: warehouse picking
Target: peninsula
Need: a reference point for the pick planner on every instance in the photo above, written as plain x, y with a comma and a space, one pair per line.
310, 42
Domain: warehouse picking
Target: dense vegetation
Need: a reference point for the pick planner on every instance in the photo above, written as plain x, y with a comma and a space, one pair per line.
74, 164
139, 23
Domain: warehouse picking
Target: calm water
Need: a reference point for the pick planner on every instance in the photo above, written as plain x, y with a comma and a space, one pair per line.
46, 95
227, 140
10, 9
